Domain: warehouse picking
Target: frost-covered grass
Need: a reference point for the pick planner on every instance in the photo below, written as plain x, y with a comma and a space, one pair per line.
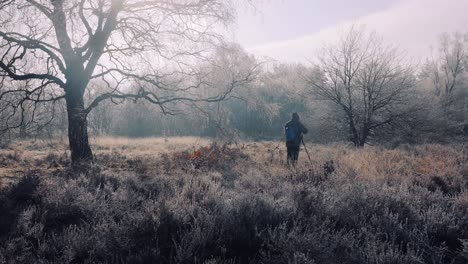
192, 202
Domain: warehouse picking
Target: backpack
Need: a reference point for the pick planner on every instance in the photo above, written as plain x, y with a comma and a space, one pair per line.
291, 132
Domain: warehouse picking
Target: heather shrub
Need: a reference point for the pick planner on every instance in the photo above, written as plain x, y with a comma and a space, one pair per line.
16, 198
232, 209
213, 156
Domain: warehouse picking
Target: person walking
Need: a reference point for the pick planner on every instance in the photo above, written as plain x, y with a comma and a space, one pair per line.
293, 132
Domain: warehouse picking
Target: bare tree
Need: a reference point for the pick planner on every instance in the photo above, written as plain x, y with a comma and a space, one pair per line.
60, 46
100, 119
445, 75
445, 70
366, 80
231, 62
454, 51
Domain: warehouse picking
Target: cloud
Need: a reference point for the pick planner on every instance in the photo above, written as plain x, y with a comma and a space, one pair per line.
412, 25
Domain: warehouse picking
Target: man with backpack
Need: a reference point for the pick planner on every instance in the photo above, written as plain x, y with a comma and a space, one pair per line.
293, 131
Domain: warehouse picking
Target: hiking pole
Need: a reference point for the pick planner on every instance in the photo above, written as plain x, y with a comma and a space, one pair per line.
306, 150
279, 143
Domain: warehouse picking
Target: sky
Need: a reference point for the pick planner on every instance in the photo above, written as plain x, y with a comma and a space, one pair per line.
295, 30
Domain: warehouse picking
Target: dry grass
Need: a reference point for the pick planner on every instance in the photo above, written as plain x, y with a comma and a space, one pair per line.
145, 147
46, 155
414, 163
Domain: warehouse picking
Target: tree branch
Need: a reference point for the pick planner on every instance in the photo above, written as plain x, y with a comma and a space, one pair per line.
30, 43
23, 77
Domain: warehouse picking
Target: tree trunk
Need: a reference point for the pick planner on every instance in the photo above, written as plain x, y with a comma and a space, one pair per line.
78, 129
361, 143
354, 132
364, 135
22, 131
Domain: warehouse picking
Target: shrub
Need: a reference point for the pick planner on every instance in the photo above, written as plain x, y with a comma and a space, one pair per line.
262, 215
206, 158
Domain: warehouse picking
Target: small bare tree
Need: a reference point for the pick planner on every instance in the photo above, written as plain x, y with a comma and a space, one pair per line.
366, 80
60, 46
445, 70
445, 75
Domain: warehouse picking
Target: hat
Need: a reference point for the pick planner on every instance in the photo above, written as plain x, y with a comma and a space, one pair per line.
295, 116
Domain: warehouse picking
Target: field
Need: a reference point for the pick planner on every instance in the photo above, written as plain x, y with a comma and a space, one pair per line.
188, 200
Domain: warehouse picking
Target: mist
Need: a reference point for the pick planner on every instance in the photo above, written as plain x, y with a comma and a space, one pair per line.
213, 131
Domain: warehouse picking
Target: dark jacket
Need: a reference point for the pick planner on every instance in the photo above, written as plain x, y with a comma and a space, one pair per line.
297, 126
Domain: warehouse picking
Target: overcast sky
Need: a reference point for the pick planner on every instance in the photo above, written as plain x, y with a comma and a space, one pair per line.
293, 30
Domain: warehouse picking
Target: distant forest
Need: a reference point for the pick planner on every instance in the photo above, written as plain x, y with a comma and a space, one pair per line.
359, 90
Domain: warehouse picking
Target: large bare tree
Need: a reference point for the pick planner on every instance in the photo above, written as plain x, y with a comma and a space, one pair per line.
59, 46
367, 80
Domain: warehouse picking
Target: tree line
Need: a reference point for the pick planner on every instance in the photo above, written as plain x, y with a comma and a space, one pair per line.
360, 91
138, 69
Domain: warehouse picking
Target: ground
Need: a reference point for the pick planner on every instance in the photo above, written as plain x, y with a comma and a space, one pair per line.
119, 154
187, 200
